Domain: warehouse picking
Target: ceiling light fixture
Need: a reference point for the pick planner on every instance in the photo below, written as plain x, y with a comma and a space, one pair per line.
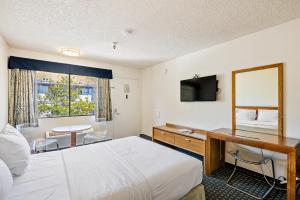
70, 52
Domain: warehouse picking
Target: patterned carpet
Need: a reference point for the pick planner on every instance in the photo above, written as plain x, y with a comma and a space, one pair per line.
216, 188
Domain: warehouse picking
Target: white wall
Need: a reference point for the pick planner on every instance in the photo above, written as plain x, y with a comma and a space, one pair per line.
160, 93
3, 82
119, 72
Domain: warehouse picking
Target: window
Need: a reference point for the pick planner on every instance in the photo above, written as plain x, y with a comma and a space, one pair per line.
65, 95
83, 91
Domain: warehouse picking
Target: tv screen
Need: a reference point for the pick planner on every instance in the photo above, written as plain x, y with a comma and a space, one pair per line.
199, 89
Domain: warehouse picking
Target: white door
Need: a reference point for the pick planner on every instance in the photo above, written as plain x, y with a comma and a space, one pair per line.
126, 107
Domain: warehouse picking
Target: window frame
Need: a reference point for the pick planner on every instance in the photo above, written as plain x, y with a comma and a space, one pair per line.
69, 113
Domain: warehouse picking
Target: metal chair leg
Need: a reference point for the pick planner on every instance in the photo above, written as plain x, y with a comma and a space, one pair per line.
274, 181
57, 145
240, 190
232, 174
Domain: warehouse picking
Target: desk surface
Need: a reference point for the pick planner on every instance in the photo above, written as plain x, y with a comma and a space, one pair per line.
176, 130
260, 140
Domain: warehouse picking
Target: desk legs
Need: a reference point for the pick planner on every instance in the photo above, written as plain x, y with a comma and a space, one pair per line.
213, 162
291, 175
73, 139
214, 155
207, 157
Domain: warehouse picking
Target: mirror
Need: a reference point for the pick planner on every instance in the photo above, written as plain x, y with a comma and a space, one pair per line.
257, 99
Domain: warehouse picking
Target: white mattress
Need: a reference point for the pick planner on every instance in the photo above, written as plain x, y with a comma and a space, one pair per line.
128, 168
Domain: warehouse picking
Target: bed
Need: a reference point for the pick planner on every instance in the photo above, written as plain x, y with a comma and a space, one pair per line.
128, 168
257, 126
257, 120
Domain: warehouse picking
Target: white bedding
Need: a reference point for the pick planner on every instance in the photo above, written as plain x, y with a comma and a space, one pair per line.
258, 124
128, 168
44, 179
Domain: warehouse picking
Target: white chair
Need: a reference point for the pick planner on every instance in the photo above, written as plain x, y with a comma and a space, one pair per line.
31, 142
64, 138
80, 136
95, 136
61, 138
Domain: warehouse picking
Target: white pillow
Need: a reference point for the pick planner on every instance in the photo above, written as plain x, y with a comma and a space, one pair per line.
14, 150
267, 115
244, 114
6, 181
9, 129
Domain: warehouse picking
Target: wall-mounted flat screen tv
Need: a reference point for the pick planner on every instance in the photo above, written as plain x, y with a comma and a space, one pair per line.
199, 89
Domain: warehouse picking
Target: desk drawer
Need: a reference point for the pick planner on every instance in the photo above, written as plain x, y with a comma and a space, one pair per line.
164, 136
191, 144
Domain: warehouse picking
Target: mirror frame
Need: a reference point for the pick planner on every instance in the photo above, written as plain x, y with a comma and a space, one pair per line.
279, 66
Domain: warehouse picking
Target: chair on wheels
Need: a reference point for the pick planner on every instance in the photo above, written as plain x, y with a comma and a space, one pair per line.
263, 160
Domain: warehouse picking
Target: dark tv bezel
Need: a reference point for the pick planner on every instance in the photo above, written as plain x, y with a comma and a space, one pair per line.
200, 100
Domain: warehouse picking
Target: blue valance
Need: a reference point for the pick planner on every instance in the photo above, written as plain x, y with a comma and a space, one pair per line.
40, 65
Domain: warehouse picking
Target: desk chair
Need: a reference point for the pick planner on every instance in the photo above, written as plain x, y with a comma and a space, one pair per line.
263, 160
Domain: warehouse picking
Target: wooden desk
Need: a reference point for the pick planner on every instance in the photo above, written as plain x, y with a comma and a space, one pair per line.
194, 142
269, 142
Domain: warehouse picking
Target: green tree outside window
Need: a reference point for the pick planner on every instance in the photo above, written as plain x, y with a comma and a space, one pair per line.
56, 101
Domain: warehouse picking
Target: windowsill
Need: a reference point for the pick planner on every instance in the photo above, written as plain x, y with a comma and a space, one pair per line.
73, 116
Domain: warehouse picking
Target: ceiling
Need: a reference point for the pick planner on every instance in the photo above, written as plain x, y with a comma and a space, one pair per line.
162, 29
